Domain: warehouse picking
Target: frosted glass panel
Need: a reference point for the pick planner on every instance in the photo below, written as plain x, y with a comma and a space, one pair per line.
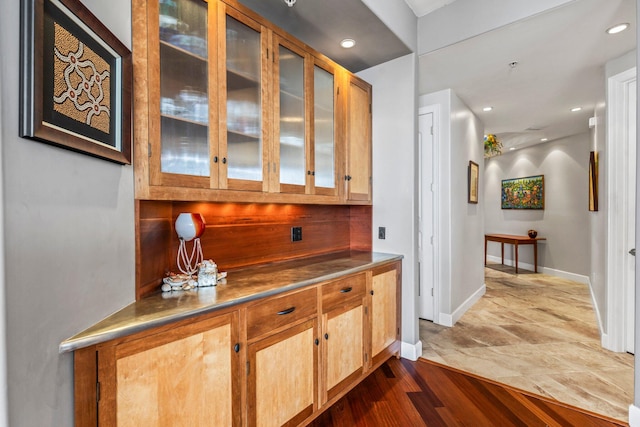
184, 99
292, 150
323, 125
244, 118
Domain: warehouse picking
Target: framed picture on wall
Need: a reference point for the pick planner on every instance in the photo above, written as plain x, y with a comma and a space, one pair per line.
76, 81
474, 173
523, 193
593, 181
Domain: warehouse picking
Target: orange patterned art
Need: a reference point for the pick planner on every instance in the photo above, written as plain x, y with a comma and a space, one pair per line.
81, 81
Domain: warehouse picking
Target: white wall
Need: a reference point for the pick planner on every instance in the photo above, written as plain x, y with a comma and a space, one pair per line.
69, 242
399, 17
394, 175
459, 226
565, 220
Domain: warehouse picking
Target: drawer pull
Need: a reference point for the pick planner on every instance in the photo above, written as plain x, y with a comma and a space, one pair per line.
287, 311
345, 290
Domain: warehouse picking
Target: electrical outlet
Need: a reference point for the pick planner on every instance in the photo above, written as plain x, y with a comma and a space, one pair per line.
296, 234
382, 233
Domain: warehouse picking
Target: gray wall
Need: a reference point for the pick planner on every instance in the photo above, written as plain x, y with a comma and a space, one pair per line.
394, 185
459, 240
69, 242
565, 219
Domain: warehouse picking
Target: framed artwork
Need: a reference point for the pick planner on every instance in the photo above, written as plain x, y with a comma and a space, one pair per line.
523, 193
76, 81
472, 183
593, 181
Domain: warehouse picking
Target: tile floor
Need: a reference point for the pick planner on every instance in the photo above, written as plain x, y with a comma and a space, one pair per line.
537, 333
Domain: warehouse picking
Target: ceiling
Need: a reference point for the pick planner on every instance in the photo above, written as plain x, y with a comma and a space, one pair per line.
322, 24
560, 57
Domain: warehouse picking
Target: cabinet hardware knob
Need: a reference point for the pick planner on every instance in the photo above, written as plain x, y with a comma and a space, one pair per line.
345, 290
286, 311
236, 348
224, 160
326, 336
215, 159
308, 172
371, 292
317, 341
313, 173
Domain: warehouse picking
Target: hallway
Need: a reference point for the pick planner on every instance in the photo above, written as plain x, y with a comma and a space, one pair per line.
537, 333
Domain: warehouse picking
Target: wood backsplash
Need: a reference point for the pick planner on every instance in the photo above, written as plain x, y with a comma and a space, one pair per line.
239, 234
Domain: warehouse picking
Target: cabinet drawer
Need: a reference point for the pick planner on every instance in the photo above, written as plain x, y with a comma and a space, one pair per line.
278, 311
336, 293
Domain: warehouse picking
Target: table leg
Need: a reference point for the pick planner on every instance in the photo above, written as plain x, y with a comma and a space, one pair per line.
485, 251
516, 245
535, 256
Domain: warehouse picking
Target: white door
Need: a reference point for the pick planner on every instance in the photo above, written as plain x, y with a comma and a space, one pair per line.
629, 294
425, 216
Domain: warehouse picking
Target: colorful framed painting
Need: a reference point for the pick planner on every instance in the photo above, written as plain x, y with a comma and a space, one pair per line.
76, 81
472, 184
523, 193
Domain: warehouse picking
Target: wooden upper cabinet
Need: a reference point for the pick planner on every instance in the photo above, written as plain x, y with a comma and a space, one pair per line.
244, 101
358, 144
230, 108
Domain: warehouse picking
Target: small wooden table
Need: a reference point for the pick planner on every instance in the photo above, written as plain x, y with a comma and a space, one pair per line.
516, 241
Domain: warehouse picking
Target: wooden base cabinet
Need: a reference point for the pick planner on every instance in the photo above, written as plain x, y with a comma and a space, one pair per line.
385, 312
276, 361
182, 376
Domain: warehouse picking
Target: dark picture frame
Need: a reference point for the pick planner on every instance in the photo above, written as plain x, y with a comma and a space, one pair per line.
76, 80
523, 193
593, 181
472, 182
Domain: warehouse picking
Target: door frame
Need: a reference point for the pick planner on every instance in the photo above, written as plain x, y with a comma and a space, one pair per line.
435, 111
617, 183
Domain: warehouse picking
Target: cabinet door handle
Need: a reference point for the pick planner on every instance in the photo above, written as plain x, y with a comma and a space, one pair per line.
313, 173
287, 311
345, 290
215, 159
317, 341
308, 172
224, 160
371, 292
236, 348
326, 336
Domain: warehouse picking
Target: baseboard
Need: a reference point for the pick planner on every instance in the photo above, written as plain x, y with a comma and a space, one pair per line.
541, 269
445, 319
411, 351
634, 416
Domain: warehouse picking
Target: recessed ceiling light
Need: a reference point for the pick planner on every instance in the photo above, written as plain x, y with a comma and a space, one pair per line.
617, 28
574, 109
487, 109
348, 43
544, 139
512, 148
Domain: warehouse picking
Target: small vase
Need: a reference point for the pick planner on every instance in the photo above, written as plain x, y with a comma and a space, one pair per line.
532, 233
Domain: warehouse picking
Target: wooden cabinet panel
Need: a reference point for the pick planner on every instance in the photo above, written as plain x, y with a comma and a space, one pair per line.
358, 169
385, 312
283, 377
181, 377
344, 347
276, 312
337, 292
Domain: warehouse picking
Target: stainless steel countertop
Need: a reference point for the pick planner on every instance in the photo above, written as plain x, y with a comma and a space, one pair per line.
241, 286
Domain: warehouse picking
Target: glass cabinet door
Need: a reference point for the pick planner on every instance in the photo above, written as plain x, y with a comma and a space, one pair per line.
244, 145
323, 133
291, 124
184, 98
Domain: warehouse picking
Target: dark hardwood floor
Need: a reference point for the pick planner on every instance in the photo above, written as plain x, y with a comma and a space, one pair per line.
423, 393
